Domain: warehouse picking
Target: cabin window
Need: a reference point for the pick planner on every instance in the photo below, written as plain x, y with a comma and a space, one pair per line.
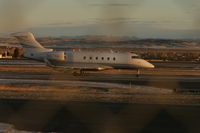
102, 58
84, 57
97, 58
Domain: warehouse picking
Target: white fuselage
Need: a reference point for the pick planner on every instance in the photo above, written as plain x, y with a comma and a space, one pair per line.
113, 59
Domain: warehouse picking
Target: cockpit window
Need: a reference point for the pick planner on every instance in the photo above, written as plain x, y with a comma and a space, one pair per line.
135, 57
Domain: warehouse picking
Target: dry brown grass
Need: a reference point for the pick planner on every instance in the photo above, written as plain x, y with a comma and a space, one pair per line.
94, 95
22, 68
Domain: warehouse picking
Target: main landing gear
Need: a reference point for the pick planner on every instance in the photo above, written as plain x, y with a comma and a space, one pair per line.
78, 73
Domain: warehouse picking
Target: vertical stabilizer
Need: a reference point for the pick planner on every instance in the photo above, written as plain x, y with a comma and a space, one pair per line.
29, 43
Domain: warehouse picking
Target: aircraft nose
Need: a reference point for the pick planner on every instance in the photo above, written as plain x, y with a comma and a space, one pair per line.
151, 65
141, 63
148, 65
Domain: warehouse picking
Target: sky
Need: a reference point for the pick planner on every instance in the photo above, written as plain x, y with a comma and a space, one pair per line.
173, 19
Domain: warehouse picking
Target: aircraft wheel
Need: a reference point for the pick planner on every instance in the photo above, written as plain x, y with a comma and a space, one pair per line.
138, 73
80, 73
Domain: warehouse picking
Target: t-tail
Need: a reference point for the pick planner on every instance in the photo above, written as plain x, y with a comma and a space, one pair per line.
32, 47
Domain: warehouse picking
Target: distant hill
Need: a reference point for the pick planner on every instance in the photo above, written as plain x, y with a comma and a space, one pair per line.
110, 41
101, 37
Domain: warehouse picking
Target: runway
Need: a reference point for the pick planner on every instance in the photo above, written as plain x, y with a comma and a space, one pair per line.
172, 83
34, 97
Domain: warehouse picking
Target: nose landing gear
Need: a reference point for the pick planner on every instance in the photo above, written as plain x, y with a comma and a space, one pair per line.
138, 73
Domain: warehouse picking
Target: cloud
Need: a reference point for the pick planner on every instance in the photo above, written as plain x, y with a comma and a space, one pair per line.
189, 6
192, 9
113, 4
59, 24
140, 30
117, 3
131, 20
14, 14
112, 20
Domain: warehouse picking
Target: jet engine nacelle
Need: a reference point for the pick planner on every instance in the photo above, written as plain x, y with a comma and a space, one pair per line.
56, 56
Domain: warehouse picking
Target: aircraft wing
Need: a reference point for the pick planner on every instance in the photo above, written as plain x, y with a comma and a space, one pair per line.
87, 67
79, 66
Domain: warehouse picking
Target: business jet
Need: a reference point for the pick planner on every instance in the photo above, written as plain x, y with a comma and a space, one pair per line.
80, 61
